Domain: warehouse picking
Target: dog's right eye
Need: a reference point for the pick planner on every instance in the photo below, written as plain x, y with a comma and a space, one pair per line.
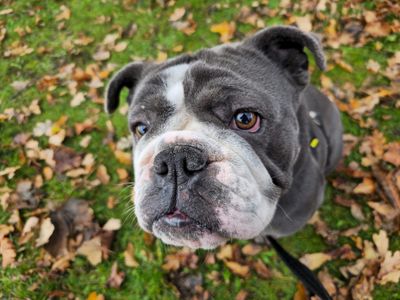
139, 129
246, 121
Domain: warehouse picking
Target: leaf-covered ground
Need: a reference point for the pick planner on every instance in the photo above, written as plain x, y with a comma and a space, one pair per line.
67, 229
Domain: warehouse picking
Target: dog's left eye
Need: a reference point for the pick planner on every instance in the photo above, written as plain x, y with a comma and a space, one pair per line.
140, 129
246, 120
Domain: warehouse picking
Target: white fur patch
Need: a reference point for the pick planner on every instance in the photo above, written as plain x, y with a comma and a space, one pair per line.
174, 85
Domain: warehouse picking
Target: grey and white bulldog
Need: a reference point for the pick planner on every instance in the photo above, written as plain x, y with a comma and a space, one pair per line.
230, 142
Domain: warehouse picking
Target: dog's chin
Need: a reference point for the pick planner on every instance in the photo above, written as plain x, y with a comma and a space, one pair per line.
190, 235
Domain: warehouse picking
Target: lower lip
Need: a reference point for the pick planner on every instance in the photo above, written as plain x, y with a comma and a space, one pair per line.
176, 219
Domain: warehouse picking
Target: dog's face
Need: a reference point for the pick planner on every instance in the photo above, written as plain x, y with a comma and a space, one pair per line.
215, 136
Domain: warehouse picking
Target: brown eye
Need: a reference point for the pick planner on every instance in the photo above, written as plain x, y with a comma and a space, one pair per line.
140, 129
246, 120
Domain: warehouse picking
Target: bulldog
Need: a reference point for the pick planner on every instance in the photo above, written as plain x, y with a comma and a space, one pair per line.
230, 142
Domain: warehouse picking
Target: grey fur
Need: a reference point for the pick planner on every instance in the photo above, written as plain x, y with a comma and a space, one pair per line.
266, 73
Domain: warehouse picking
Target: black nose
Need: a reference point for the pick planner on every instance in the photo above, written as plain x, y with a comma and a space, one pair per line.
180, 162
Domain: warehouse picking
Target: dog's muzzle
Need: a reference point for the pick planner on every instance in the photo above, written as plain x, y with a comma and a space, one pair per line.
173, 167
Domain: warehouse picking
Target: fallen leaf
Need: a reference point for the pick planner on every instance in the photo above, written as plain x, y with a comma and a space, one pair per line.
315, 260
261, 269
237, 268
116, 278
29, 225
367, 186
121, 46
95, 296
373, 66
46, 230
101, 55
6, 11
390, 268
112, 225
65, 13
381, 242
7, 252
225, 252
251, 249
304, 23
102, 174
57, 139
10, 172
91, 249
77, 100
123, 157
392, 155
129, 257
177, 14
225, 30
242, 295
20, 85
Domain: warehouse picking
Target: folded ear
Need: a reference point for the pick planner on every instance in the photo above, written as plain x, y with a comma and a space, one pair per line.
127, 77
284, 45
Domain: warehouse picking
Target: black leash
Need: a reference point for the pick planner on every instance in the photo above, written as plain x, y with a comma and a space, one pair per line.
304, 274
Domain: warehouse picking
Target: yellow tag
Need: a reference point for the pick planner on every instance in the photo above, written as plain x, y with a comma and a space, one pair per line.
314, 143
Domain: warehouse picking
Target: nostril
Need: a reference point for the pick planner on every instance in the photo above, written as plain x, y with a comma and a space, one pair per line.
195, 165
161, 168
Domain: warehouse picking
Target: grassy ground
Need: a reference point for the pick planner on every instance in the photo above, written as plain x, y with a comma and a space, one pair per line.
51, 42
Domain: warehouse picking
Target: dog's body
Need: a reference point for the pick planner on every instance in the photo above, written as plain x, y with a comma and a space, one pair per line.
202, 173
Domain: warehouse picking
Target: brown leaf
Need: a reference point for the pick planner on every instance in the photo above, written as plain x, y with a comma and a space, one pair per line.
73, 217
116, 278
91, 249
390, 268
392, 155
242, 295
66, 159
251, 249
172, 263
101, 55
367, 186
301, 293
225, 252
177, 14
77, 100
315, 260
237, 268
304, 23
381, 242
262, 269
123, 157
102, 174
95, 296
327, 282
46, 230
65, 13
7, 252
129, 257
225, 30
112, 225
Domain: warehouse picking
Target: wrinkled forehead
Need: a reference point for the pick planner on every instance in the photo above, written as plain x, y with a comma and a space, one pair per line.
184, 83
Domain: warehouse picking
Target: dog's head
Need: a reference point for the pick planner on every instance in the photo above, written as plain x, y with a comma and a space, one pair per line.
215, 135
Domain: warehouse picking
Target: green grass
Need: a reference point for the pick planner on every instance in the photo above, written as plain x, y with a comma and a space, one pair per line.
154, 34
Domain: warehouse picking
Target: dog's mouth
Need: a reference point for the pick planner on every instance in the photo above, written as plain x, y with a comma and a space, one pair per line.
178, 219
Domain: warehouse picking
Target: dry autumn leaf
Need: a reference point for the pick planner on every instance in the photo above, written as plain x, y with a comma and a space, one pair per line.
129, 257
46, 230
91, 249
116, 277
112, 225
226, 30
315, 260
237, 268
367, 186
